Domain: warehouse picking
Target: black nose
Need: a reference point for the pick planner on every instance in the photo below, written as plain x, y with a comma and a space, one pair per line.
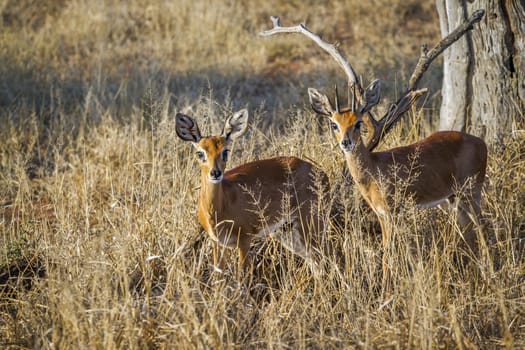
215, 173
345, 143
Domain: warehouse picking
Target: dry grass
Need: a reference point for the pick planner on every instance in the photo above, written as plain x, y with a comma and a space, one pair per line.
99, 242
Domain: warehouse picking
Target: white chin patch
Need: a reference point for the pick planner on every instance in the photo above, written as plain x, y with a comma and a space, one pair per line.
215, 181
347, 149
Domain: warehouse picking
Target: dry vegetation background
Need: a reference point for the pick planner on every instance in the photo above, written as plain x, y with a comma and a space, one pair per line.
99, 242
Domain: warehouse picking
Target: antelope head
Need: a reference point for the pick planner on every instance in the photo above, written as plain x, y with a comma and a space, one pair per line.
212, 151
346, 123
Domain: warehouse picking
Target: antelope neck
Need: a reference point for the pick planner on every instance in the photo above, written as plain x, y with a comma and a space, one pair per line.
211, 196
359, 162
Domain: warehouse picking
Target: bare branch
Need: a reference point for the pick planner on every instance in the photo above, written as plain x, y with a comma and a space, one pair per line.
394, 113
332, 49
427, 57
382, 126
409, 96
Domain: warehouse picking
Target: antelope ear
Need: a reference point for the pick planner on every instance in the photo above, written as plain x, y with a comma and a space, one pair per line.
320, 103
186, 128
371, 96
236, 125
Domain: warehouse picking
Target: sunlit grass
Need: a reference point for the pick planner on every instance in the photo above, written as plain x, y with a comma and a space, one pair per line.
99, 242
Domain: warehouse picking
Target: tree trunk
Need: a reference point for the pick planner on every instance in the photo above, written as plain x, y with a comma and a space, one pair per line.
456, 64
484, 73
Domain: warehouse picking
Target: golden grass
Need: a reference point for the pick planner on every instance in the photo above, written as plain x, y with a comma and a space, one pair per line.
99, 242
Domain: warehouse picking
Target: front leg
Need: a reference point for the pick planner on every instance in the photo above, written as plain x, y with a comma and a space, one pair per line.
218, 257
386, 228
244, 251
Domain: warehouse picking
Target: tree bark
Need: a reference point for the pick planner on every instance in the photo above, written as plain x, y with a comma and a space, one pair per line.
456, 64
484, 75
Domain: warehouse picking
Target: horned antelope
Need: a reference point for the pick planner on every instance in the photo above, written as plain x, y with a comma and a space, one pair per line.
446, 165
254, 199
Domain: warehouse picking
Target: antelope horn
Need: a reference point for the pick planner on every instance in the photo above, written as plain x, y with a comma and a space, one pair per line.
337, 109
353, 98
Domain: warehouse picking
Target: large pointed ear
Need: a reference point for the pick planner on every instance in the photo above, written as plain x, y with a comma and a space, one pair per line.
186, 128
320, 103
236, 125
371, 96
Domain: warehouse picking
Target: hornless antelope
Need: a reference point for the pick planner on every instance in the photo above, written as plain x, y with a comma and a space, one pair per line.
444, 166
257, 198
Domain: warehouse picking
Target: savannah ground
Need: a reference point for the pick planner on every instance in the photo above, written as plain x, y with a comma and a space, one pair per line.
99, 243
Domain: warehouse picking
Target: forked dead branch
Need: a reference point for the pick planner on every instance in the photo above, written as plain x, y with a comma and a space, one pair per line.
446, 166
397, 109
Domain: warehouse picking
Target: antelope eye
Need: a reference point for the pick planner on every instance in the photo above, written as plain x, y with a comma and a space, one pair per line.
201, 156
334, 126
225, 154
